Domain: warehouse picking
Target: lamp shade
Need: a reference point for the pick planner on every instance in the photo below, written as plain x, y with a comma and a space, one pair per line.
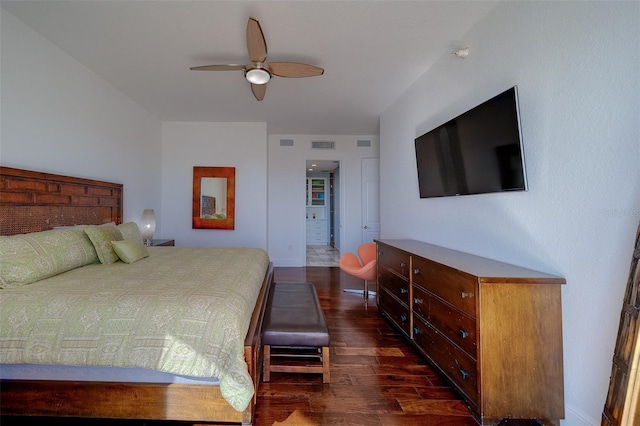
147, 224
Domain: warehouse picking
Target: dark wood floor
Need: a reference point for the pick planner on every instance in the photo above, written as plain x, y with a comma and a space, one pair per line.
377, 378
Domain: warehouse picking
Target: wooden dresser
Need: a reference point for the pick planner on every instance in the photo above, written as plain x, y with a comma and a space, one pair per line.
494, 330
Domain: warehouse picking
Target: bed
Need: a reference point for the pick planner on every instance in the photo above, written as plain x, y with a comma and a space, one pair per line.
180, 327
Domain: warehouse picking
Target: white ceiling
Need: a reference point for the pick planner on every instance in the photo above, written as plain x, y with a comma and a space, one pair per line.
372, 51
317, 166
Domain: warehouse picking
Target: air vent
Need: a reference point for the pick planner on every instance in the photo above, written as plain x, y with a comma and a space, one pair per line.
286, 142
364, 142
323, 145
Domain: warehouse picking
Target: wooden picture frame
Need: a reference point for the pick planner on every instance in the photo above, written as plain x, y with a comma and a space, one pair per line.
214, 197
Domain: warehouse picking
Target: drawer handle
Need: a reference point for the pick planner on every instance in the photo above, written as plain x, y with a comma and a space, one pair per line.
403, 318
416, 271
402, 264
464, 374
464, 333
417, 301
416, 330
466, 295
404, 290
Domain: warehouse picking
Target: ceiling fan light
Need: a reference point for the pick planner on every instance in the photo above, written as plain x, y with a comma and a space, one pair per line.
258, 76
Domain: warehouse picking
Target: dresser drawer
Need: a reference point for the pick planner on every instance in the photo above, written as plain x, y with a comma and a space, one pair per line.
316, 241
316, 233
455, 287
461, 369
393, 259
492, 329
451, 322
316, 225
396, 311
394, 284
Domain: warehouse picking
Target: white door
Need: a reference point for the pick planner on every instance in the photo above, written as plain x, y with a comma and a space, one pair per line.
370, 199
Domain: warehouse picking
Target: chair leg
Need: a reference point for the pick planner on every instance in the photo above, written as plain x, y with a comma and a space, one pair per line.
365, 292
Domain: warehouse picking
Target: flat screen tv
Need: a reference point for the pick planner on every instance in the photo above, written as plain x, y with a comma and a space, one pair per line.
477, 152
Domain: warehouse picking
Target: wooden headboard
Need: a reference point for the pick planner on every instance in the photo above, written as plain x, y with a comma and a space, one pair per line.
34, 201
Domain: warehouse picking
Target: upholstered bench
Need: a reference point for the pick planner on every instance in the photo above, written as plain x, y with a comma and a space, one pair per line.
295, 332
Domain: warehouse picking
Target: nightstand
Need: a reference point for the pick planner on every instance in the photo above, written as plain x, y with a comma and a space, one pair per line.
162, 242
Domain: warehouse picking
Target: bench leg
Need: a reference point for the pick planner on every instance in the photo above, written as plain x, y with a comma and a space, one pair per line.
325, 364
266, 370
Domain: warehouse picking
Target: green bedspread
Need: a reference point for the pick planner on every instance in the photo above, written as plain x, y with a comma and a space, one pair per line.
183, 311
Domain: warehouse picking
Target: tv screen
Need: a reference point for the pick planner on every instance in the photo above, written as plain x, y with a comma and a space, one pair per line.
477, 152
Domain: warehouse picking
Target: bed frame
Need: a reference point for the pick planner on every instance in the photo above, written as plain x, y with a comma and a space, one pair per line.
33, 201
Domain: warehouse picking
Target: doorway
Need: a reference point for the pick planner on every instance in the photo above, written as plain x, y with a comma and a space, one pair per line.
322, 212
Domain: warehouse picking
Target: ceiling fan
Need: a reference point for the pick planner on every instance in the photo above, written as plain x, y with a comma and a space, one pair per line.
259, 72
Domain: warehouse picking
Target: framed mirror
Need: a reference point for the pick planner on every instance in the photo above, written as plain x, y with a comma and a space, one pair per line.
213, 197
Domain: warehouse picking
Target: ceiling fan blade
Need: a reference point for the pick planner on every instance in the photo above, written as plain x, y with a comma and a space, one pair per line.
259, 91
256, 45
229, 67
294, 69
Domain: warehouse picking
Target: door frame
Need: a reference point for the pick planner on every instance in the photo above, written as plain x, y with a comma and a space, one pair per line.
340, 196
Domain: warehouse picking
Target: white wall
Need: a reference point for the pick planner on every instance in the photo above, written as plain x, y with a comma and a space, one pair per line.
239, 145
59, 117
287, 172
576, 65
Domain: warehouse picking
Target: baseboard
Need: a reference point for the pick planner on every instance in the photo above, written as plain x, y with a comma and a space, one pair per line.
572, 418
290, 262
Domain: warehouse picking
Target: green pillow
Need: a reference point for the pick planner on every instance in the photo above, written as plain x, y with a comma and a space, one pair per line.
130, 231
130, 250
101, 237
26, 258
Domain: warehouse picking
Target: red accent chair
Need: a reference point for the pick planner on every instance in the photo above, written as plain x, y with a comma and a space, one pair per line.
363, 268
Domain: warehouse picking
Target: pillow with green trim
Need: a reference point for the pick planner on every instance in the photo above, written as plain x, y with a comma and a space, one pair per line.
130, 250
101, 237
